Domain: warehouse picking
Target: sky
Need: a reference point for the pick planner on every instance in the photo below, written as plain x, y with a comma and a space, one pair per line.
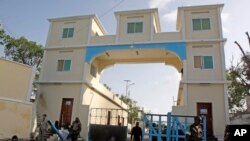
156, 85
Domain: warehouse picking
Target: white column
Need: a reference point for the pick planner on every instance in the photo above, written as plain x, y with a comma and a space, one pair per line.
152, 27
90, 30
117, 29
226, 105
31, 80
183, 25
219, 22
184, 79
185, 93
223, 69
41, 77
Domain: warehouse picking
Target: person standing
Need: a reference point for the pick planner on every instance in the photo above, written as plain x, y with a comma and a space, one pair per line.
227, 134
57, 125
76, 128
196, 130
44, 125
136, 132
155, 138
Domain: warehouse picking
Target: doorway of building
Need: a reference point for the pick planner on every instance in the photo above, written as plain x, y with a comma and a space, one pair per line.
66, 111
206, 108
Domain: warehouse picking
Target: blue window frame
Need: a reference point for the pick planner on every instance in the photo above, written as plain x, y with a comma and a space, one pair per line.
63, 65
203, 62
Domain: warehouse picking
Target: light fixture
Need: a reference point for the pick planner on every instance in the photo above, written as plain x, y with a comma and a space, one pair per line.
107, 53
137, 52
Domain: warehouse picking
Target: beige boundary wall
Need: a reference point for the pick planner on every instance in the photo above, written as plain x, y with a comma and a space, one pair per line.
16, 118
16, 80
16, 110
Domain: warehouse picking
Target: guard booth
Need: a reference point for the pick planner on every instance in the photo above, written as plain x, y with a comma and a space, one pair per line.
105, 124
169, 127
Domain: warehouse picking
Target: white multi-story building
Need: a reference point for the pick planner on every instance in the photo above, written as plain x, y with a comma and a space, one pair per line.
78, 49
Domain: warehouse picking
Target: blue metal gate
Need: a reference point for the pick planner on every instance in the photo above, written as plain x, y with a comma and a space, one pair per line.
169, 127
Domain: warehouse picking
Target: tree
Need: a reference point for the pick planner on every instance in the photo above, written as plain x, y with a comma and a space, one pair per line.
239, 75
3, 37
133, 109
21, 50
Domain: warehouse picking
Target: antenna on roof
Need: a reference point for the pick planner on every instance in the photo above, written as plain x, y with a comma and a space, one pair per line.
174, 102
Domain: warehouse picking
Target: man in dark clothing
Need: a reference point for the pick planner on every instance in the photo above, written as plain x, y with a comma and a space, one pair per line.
196, 130
136, 132
227, 134
155, 138
76, 128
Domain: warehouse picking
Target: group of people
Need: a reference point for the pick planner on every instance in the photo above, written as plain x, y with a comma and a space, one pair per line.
66, 131
194, 132
72, 132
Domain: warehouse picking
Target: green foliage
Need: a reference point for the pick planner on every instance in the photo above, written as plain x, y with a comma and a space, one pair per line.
235, 89
21, 50
3, 37
133, 109
239, 75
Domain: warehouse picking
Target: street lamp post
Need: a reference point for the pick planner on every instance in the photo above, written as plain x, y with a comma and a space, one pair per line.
127, 87
126, 97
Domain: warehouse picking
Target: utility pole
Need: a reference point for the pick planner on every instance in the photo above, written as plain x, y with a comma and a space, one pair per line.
128, 84
127, 87
126, 91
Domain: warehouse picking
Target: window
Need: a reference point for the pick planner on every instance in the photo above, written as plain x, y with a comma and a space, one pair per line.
135, 27
201, 24
63, 65
203, 62
68, 32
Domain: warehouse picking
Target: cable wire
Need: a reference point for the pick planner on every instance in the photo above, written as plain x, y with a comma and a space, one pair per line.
104, 14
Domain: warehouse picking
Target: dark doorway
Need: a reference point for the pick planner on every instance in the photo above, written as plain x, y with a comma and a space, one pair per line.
109, 117
207, 109
66, 111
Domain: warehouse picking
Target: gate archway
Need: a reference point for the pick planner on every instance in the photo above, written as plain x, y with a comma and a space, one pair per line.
78, 49
169, 53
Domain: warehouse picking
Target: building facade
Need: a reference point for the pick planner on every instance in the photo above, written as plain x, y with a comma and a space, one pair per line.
78, 49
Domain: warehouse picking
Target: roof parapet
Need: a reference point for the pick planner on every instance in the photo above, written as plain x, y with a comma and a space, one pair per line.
142, 11
71, 18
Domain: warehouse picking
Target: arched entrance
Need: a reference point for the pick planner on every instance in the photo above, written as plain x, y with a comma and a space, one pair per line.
172, 54
137, 54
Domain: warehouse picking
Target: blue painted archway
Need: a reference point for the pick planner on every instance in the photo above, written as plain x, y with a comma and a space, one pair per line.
179, 48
